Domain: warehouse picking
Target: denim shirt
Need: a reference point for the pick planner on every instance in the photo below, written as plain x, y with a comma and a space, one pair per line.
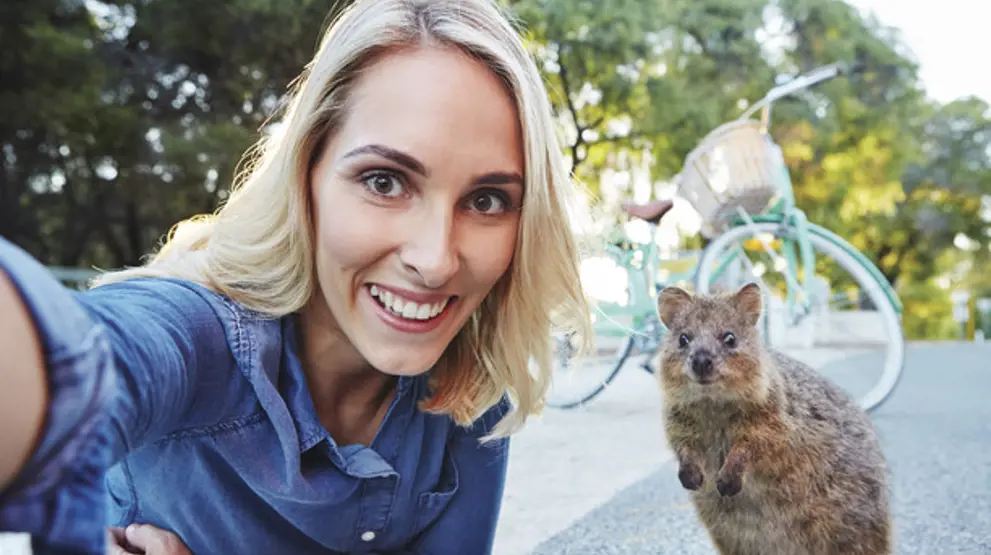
200, 410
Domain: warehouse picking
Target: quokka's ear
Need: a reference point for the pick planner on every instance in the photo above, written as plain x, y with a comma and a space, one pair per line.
672, 303
748, 301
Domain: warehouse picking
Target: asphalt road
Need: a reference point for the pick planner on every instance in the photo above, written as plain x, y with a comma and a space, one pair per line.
936, 432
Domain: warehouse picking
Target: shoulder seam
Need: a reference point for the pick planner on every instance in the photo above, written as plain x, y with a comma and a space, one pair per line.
240, 343
225, 426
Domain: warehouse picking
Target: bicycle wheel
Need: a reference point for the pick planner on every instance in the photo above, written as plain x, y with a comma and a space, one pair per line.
580, 378
843, 341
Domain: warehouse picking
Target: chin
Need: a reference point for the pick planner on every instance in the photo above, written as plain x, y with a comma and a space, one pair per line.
403, 363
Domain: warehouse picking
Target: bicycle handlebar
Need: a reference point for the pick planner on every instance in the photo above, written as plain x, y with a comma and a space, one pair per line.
804, 81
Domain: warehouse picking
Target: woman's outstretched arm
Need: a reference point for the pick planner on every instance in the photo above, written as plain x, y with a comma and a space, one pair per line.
57, 384
23, 391
87, 377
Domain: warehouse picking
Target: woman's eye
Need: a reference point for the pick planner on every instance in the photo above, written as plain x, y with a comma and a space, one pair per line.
490, 203
384, 184
684, 340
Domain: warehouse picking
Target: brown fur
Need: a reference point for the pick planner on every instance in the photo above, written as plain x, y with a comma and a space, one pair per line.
779, 460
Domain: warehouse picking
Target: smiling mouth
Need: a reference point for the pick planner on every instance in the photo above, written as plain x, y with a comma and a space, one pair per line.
407, 309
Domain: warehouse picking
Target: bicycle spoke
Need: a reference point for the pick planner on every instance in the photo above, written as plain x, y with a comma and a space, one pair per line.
848, 329
779, 262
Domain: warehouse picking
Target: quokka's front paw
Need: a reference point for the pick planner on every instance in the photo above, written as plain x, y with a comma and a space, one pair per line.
690, 476
729, 484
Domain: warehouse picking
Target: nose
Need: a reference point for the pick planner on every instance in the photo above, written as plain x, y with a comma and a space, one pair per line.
702, 366
430, 249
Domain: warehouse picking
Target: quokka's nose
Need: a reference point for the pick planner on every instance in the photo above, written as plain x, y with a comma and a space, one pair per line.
702, 366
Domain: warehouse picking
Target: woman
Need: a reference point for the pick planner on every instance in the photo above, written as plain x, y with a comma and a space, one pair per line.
333, 362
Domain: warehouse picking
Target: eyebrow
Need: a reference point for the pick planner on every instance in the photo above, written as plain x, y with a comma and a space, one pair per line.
500, 178
396, 156
411, 163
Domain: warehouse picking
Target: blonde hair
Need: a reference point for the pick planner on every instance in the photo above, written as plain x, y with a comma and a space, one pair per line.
257, 248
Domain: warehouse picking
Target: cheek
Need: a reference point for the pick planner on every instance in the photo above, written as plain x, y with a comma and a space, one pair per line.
488, 253
672, 366
347, 238
741, 368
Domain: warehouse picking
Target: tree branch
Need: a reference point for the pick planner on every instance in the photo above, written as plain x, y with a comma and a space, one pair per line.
562, 74
70, 234
698, 39
111, 242
619, 139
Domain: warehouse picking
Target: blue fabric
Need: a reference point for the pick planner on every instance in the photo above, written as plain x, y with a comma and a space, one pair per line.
59, 497
212, 434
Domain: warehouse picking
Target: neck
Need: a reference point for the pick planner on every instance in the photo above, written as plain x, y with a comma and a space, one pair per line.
348, 393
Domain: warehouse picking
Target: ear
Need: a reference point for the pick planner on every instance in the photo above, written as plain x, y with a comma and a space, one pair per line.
673, 302
748, 301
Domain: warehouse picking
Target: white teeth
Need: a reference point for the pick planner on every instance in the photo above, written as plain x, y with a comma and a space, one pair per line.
423, 312
405, 308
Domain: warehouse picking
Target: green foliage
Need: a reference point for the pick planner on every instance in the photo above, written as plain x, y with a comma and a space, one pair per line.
119, 119
870, 156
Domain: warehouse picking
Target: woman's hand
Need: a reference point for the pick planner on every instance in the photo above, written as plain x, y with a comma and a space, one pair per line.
143, 539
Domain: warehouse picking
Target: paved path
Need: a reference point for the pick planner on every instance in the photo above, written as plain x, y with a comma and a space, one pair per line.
567, 463
936, 432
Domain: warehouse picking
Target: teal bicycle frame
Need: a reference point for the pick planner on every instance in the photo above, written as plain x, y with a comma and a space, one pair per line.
634, 260
637, 321
637, 318
641, 266
785, 212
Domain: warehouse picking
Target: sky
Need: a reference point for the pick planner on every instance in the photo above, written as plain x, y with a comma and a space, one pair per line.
936, 33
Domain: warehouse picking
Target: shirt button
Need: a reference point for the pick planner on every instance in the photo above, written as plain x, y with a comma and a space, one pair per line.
368, 536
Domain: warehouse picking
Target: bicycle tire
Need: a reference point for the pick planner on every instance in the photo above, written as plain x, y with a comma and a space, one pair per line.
585, 397
835, 247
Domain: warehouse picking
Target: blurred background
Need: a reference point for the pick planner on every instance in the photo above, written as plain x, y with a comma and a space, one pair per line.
119, 118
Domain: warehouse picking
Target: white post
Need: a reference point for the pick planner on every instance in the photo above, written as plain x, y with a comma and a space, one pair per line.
961, 313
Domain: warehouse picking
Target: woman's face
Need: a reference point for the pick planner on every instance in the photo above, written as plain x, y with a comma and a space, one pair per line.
416, 203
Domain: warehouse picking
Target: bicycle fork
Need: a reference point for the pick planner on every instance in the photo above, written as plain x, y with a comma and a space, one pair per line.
798, 298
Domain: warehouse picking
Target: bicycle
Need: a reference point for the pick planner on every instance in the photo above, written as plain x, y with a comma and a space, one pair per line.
626, 327
738, 182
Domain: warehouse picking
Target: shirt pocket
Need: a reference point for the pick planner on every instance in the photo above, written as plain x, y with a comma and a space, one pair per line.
431, 503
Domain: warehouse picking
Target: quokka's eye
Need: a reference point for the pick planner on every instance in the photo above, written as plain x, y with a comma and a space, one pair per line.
683, 340
729, 339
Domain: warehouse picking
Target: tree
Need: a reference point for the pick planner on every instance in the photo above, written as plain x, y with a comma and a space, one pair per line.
855, 147
120, 118
630, 78
125, 117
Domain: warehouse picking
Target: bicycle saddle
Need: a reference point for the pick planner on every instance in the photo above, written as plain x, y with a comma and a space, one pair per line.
650, 212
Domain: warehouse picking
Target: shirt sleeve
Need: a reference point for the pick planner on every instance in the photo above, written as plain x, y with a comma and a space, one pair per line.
468, 524
58, 497
168, 345
121, 362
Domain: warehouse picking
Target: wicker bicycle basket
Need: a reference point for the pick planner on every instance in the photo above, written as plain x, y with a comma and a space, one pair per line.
736, 165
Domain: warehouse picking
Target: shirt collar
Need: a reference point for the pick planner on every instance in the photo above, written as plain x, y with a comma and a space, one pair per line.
293, 389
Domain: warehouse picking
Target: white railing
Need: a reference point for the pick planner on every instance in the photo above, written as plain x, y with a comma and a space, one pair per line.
77, 278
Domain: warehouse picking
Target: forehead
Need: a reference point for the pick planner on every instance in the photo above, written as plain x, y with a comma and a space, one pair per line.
712, 312
439, 105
